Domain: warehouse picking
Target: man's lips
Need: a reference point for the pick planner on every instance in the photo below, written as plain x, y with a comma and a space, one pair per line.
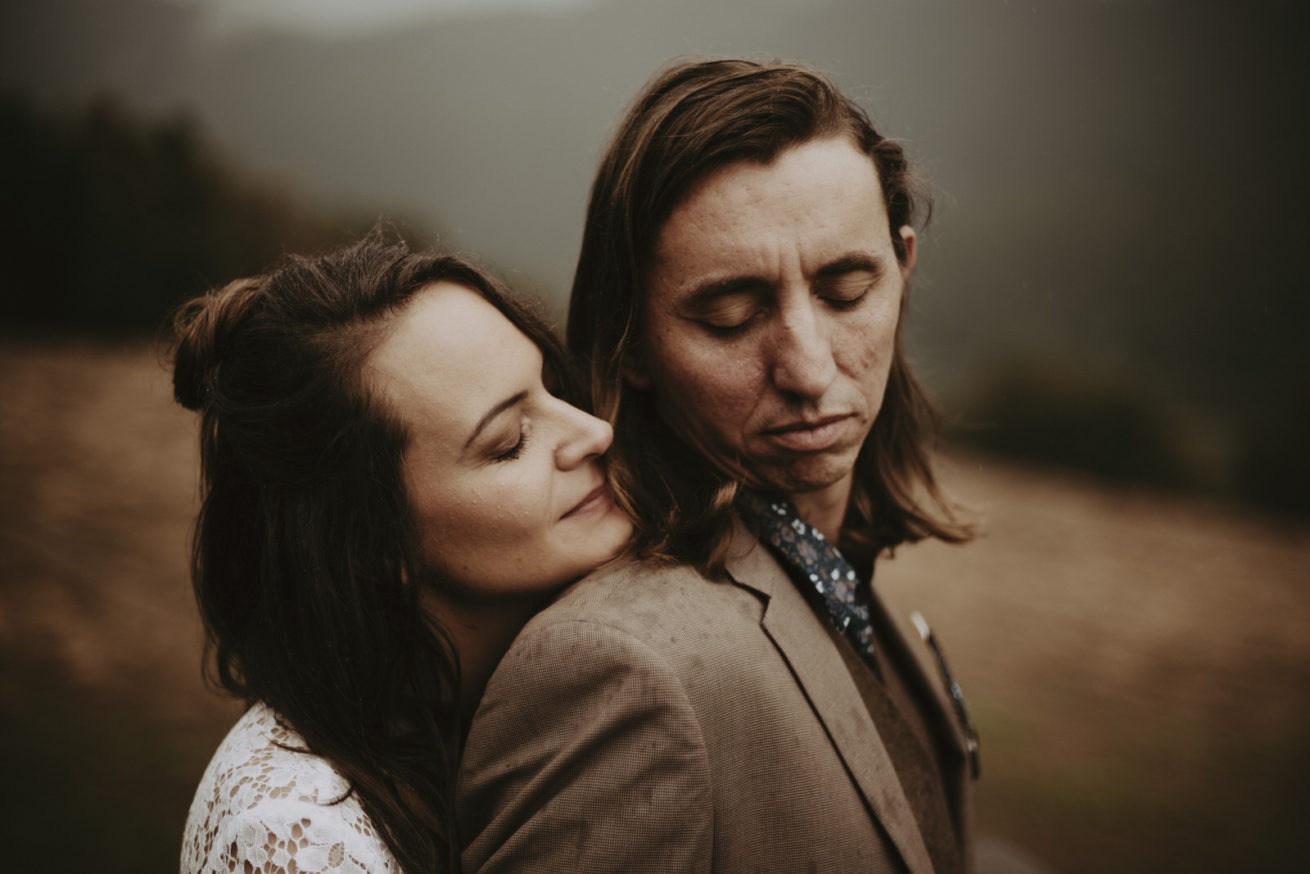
597, 497
809, 435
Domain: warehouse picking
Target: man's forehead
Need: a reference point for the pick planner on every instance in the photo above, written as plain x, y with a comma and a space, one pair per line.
740, 189
822, 208
750, 170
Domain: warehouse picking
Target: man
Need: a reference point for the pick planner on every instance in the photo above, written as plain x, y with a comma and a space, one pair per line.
738, 699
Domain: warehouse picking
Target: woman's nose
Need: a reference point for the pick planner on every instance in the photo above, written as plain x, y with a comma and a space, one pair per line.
584, 437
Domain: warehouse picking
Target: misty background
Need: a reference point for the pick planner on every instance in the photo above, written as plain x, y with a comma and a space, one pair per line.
1114, 278
1112, 292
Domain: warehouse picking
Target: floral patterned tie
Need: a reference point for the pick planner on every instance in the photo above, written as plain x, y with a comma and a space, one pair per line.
808, 555
807, 552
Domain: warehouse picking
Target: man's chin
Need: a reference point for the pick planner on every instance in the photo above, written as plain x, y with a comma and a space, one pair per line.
806, 476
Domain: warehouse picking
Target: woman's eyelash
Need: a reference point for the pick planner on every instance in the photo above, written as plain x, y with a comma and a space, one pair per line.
514, 451
517, 449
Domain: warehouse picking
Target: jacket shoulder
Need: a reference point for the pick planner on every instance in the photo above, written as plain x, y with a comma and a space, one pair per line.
656, 603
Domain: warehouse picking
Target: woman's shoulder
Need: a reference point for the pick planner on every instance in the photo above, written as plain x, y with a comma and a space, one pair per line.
263, 760
266, 802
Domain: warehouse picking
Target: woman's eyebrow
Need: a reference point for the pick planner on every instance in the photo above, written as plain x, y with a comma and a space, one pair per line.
491, 414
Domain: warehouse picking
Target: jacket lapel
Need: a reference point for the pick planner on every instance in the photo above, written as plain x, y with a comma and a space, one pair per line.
797, 633
927, 675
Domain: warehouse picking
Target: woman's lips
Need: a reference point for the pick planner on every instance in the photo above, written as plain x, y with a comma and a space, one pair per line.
812, 436
595, 499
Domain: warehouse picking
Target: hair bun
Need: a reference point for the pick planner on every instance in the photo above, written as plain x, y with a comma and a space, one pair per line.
204, 330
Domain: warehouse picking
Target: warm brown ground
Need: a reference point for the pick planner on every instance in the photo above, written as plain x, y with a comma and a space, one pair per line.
1139, 665
1140, 669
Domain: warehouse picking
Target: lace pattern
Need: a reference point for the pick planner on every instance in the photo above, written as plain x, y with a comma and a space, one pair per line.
263, 806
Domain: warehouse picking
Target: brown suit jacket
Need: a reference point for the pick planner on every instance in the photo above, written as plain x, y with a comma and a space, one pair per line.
653, 720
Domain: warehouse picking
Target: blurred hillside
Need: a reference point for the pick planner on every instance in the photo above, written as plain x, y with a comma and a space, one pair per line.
1137, 664
1114, 279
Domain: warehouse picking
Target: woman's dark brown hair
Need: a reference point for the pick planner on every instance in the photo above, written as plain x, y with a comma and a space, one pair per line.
305, 561
689, 121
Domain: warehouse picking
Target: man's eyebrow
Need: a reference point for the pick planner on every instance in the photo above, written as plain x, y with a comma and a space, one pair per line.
851, 263
492, 414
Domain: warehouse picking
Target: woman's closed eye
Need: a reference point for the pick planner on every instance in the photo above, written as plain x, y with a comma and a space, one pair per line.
514, 446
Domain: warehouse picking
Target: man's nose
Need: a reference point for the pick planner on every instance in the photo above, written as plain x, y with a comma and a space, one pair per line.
803, 362
583, 437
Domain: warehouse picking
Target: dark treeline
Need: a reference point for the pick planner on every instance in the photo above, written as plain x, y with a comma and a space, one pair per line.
1046, 411
110, 221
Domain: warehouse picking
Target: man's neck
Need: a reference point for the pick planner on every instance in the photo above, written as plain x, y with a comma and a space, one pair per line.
825, 509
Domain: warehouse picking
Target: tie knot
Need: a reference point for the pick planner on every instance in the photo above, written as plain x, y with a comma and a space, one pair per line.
813, 562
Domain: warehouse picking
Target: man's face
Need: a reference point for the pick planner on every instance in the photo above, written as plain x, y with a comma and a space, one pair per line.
771, 317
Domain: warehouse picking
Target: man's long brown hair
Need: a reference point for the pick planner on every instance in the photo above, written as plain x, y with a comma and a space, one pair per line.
689, 121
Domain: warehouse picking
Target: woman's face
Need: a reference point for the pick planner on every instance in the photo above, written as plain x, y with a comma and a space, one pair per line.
503, 477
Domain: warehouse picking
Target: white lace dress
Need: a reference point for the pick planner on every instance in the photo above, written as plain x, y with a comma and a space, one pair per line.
261, 806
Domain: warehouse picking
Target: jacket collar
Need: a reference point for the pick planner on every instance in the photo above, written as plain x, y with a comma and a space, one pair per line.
797, 633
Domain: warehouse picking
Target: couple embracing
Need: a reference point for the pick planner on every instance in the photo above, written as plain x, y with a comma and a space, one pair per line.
495, 615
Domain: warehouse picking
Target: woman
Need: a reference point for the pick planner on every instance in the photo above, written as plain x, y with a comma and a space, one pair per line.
391, 487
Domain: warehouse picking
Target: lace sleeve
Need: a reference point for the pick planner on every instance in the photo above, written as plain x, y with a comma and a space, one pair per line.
264, 806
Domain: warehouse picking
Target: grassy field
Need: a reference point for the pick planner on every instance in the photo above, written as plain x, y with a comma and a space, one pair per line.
1139, 665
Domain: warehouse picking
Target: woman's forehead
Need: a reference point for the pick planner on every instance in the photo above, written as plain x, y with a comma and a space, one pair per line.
449, 357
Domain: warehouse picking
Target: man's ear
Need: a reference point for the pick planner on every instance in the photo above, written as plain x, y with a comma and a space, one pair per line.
911, 241
635, 373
